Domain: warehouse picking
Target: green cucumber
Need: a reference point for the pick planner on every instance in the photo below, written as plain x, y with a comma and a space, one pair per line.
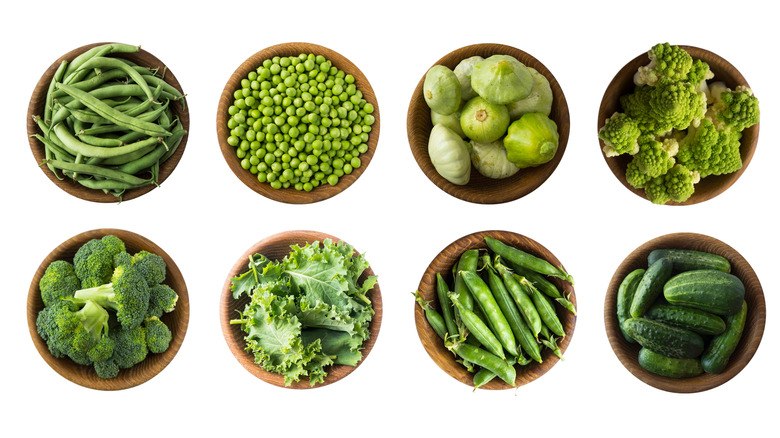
699, 321
625, 295
650, 287
709, 290
665, 339
668, 366
690, 260
721, 347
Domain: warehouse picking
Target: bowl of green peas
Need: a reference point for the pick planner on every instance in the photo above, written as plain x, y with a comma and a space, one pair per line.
298, 123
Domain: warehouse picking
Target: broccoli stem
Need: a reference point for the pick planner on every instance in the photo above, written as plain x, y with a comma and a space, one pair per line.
103, 295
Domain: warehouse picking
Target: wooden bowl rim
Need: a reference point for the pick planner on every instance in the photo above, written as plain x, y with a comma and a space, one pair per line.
418, 141
234, 335
290, 195
154, 363
751, 338
710, 186
448, 257
74, 188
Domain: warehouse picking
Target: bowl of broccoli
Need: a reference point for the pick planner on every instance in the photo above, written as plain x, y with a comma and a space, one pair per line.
108, 309
678, 125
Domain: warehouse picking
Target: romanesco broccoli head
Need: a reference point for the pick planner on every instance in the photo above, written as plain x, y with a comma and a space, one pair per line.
679, 182
735, 109
710, 151
620, 134
656, 191
655, 157
677, 104
667, 63
634, 176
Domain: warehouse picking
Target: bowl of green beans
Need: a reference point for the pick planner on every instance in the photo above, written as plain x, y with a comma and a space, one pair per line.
298, 123
508, 301
107, 122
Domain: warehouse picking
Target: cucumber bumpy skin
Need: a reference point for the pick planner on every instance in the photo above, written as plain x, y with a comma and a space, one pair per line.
651, 286
709, 290
625, 296
699, 321
690, 260
667, 366
664, 339
721, 347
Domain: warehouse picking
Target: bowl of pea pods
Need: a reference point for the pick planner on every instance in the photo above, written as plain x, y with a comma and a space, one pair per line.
298, 123
108, 122
495, 310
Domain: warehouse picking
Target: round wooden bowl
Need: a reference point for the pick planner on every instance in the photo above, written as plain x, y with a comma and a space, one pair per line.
623, 83
443, 264
154, 363
751, 337
38, 100
277, 247
290, 195
481, 189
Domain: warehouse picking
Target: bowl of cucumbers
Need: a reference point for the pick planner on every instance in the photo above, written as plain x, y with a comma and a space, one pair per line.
684, 312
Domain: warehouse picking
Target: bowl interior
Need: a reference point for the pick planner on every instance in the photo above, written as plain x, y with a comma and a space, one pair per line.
38, 100
481, 189
154, 363
623, 83
290, 195
751, 337
443, 264
276, 247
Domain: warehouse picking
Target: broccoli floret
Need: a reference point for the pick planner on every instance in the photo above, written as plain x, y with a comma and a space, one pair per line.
655, 158
667, 64
634, 176
129, 346
102, 350
107, 369
679, 182
127, 294
59, 281
93, 263
46, 325
709, 151
656, 192
122, 258
158, 335
151, 266
162, 299
73, 332
676, 105
734, 109
620, 134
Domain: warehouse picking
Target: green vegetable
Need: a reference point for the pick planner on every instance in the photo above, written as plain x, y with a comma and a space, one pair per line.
491, 161
105, 327
307, 311
446, 306
716, 356
442, 90
479, 329
451, 121
650, 287
696, 320
450, 155
625, 296
483, 121
664, 339
501, 79
433, 317
688, 128
712, 291
689, 260
522, 297
487, 302
538, 101
486, 360
532, 140
463, 72
526, 260
667, 366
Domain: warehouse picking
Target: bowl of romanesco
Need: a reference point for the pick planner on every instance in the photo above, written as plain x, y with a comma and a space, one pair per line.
78, 279
678, 125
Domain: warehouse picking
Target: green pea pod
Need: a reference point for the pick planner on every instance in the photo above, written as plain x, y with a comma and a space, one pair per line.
526, 260
550, 342
468, 262
442, 293
484, 297
485, 359
434, 318
522, 299
545, 309
483, 377
507, 305
479, 329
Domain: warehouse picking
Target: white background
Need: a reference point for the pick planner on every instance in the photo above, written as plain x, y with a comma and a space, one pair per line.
205, 218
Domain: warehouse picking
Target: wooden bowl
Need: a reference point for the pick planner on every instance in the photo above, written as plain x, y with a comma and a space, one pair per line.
38, 100
481, 189
277, 247
443, 264
154, 363
751, 337
290, 195
623, 83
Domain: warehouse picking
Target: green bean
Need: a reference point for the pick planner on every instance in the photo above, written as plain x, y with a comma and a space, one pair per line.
173, 142
485, 359
524, 302
119, 64
545, 308
479, 329
98, 171
154, 80
113, 115
506, 303
109, 185
86, 116
100, 50
78, 147
483, 296
434, 318
100, 141
47, 108
107, 92
92, 83
442, 292
526, 260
